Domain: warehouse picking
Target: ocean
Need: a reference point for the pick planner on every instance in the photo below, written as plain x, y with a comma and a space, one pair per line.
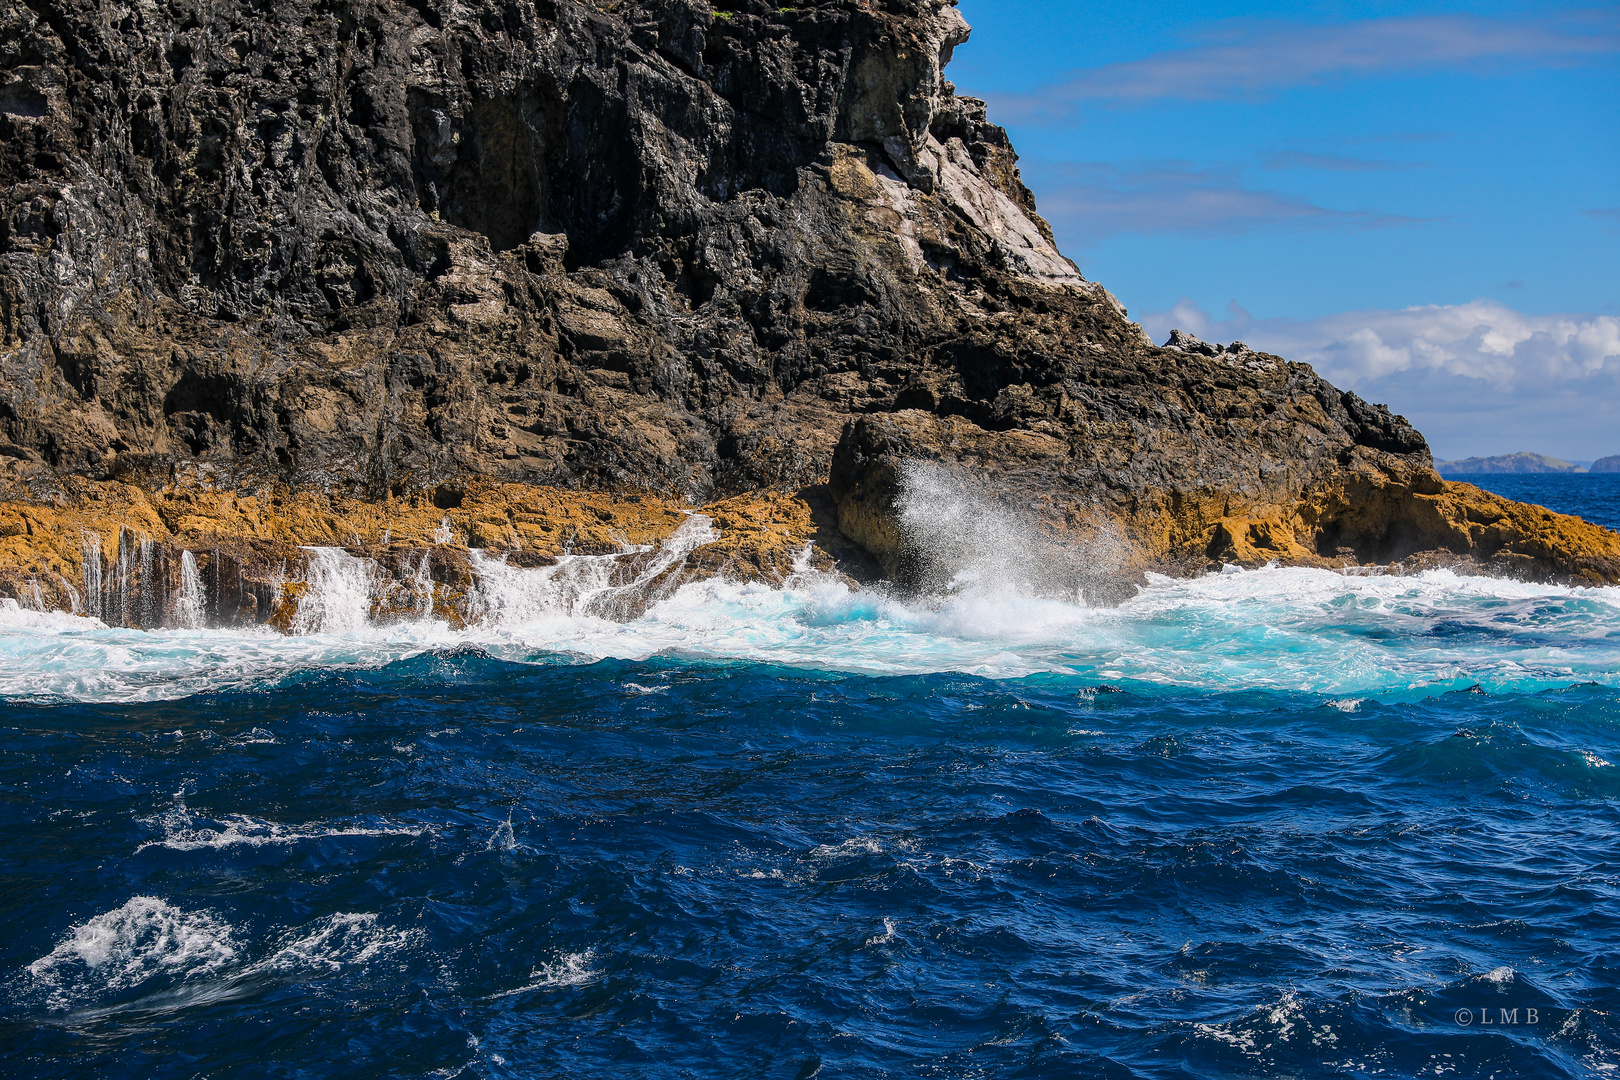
1281, 822
1594, 496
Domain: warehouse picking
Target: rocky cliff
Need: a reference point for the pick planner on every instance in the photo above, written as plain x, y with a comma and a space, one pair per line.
369, 252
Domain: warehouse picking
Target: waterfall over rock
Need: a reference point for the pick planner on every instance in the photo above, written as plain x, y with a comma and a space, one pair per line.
337, 593
92, 574
189, 603
606, 586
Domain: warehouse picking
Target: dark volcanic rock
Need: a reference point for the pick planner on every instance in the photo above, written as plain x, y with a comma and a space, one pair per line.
375, 244
372, 248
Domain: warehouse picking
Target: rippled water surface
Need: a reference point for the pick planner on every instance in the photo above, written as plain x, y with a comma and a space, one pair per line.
1277, 823
1594, 496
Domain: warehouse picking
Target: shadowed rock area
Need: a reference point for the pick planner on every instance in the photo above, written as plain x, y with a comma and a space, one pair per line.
367, 252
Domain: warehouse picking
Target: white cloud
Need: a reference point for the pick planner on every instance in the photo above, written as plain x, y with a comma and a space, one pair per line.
1477, 378
1480, 340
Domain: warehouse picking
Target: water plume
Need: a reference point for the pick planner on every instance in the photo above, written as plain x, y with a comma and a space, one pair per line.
190, 603
91, 544
337, 593
961, 536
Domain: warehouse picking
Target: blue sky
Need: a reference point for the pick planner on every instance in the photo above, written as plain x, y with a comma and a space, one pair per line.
1421, 199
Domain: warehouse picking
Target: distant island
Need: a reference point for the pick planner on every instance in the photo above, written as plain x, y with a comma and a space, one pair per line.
1608, 464
1522, 462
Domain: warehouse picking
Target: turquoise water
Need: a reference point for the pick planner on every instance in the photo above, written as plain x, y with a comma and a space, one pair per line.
1270, 823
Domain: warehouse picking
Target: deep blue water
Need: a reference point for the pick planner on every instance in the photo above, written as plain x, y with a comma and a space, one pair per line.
1594, 496
457, 865
1279, 823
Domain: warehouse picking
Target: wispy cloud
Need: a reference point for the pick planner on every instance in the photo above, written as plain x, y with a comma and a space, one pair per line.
1098, 199
1607, 216
1253, 58
1297, 159
1476, 378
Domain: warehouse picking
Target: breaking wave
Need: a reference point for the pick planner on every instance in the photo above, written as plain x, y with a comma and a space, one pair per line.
990, 594
151, 955
1280, 628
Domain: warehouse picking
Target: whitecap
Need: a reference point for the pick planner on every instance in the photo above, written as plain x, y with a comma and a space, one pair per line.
175, 958
568, 971
119, 950
185, 830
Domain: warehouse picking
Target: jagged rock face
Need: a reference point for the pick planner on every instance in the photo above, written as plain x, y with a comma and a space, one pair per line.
371, 248
370, 245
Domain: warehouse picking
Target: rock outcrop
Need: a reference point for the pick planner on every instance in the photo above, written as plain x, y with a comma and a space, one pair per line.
364, 253
123, 552
1607, 464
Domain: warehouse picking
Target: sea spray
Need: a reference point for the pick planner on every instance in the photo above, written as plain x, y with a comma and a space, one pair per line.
605, 586
91, 545
337, 593
960, 537
190, 602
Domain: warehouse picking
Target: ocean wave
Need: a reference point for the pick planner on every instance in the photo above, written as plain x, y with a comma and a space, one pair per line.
145, 940
150, 955
1294, 629
186, 830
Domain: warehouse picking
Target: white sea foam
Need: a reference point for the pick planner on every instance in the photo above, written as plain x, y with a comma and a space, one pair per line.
185, 830
1004, 604
854, 846
13, 616
170, 957
116, 951
1350, 636
568, 971
571, 969
337, 941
